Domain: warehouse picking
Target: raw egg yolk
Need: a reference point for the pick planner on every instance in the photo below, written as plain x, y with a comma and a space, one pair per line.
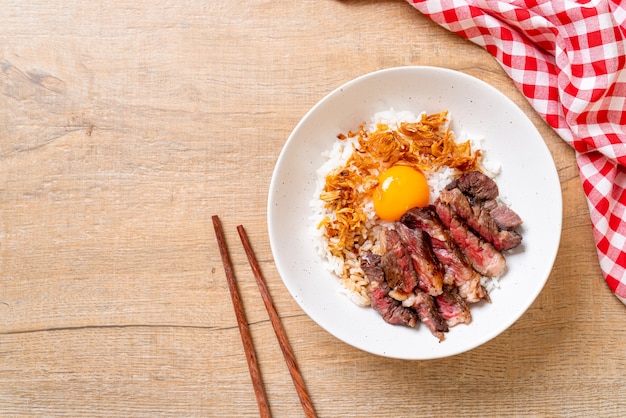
399, 189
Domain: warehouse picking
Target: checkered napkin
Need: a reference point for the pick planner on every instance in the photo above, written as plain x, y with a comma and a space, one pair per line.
568, 58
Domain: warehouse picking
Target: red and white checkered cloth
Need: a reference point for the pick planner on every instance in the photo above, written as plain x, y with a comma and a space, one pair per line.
568, 58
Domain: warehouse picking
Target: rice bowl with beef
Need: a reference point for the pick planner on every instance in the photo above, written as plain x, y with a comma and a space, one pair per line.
347, 232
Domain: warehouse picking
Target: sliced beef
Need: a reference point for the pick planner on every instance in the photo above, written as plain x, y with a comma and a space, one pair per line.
459, 272
480, 220
474, 215
397, 263
482, 255
425, 218
505, 217
475, 184
489, 204
390, 309
457, 269
507, 240
425, 263
370, 264
452, 307
433, 260
426, 308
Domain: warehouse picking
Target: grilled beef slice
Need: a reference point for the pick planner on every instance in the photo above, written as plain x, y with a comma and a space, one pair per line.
505, 217
475, 184
426, 219
370, 264
424, 305
453, 308
457, 269
425, 263
397, 263
480, 220
460, 273
483, 257
390, 309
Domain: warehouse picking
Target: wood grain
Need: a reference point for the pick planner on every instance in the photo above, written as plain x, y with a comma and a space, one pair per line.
125, 125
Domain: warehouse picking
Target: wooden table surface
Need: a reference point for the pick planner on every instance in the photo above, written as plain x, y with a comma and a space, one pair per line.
124, 126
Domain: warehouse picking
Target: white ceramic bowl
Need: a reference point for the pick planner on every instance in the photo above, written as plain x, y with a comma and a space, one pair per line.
528, 182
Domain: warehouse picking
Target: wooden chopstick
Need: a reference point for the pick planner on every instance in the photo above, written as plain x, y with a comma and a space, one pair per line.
290, 359
244, 330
